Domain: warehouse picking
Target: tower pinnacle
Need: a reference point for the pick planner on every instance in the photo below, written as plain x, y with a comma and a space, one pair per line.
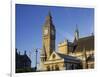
76, 37
49, 17
49, 13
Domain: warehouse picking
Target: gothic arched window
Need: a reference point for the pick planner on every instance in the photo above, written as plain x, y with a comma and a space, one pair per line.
56, 67
48, 68
72, 66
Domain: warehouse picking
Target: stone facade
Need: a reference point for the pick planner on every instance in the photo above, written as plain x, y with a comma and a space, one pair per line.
63, 47
78, 54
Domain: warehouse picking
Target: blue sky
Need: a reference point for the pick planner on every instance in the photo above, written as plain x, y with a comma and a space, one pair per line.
31, 18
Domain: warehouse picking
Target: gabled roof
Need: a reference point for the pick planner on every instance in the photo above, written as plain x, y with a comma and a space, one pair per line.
54, 56
85, 42
61, 57
68, 58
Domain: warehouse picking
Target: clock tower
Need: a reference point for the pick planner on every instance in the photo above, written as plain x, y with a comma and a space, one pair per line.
48, 37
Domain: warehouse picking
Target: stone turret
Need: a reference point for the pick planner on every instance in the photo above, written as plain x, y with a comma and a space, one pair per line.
84, 59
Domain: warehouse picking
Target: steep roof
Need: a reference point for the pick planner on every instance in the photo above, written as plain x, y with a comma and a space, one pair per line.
56, 57
48, 21
85, 42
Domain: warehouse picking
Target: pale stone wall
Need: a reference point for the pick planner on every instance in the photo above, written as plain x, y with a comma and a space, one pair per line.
83, 58
55, 66
90, 65
63, 47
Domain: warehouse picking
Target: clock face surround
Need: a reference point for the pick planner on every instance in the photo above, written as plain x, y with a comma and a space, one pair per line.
45, 32
52, 32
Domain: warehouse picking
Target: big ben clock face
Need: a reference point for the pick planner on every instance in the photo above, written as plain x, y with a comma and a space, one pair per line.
45, 32
52, 32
